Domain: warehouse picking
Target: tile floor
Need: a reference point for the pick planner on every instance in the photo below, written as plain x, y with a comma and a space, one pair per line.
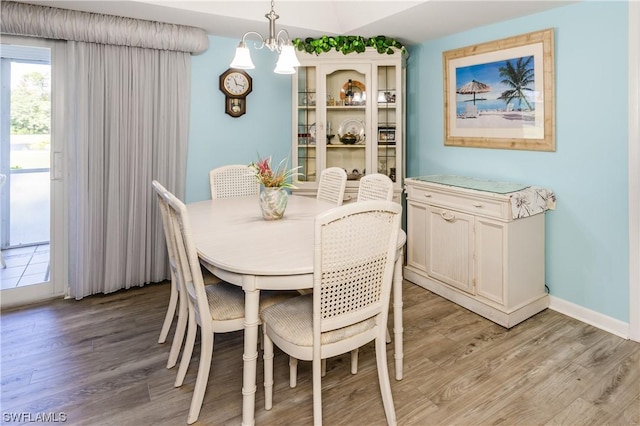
25, 266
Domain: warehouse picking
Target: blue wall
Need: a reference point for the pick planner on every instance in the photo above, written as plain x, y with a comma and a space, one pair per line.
217, 139
587, 235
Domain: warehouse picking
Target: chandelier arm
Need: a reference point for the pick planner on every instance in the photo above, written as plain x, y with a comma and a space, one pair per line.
283, 38
248, 33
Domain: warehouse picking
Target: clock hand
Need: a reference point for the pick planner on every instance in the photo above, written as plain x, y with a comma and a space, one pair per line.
237, 83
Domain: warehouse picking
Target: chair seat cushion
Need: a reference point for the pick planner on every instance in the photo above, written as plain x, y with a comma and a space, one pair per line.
292, 320
226, 301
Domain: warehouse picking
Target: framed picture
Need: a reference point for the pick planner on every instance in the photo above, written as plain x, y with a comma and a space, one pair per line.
386, 135
387, 96
500, 94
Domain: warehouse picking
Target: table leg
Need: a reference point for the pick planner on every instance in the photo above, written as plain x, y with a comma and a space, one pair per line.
250, 356
397, 316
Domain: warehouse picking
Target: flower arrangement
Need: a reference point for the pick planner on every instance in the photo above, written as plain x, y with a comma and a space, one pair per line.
281, 177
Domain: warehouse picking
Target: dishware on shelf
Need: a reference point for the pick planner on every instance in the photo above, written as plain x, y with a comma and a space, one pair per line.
357, 91
355, 175
312, 132
351, 131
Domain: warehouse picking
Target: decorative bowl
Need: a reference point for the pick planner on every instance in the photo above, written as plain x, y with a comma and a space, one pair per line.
349, 139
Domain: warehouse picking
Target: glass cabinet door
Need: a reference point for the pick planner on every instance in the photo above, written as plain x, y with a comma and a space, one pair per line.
306, 124
388, 126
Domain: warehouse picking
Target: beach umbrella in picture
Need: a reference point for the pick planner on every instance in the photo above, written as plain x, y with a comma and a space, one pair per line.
474, 87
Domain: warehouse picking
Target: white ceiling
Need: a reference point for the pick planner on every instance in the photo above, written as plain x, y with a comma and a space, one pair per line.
408, 21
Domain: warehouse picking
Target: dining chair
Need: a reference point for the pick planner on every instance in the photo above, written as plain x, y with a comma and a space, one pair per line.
332, 184
181, 325
375, 186
215, 308
354, 255
235, 180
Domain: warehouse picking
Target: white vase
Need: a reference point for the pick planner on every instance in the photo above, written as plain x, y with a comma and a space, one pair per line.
273, 202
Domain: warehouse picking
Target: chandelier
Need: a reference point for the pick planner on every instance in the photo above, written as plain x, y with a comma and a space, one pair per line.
287, 61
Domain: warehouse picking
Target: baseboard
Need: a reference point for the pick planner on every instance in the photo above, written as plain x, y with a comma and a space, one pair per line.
596, 319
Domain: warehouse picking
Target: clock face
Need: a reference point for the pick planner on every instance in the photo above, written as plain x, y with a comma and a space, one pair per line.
236, 83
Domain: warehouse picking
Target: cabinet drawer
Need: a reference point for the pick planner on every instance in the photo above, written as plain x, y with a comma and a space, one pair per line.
481, 206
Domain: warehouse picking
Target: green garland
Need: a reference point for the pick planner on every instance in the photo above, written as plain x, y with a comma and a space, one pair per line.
348, 44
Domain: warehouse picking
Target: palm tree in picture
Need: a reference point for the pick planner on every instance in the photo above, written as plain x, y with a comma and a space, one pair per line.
517, 78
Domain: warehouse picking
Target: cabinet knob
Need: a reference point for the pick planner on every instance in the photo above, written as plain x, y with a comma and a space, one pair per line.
448, 217
427, 195
478, 205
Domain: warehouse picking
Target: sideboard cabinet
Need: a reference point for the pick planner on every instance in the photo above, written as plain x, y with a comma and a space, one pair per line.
465, 245
348, 112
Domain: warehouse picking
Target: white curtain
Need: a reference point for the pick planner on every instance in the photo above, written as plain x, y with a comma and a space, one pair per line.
126, 123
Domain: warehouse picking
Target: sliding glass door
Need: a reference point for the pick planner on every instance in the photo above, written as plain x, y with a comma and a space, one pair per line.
30, 195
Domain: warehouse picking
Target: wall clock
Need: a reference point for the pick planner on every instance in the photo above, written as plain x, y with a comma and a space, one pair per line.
236, 85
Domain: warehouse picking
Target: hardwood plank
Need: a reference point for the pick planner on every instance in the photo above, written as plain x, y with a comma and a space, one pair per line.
98, 361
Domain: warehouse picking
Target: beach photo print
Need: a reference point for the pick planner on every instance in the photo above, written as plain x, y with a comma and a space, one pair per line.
500, 94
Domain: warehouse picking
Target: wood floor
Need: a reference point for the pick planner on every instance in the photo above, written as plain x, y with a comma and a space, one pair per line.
97, 361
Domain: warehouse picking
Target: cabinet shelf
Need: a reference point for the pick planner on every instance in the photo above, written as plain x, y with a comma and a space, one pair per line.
344, 145
347, 107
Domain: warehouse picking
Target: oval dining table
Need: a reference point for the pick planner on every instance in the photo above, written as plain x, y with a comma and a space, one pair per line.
237, 245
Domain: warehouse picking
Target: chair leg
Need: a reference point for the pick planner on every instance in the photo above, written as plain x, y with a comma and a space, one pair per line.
383, 378
178, 335
323, 367
187, 352
354, 355
171, 311
267, 356
317, 391
293, 372
206, 351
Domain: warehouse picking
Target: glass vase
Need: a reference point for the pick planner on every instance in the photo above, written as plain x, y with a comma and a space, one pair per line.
273, 202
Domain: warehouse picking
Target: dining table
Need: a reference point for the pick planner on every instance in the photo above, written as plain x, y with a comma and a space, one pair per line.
237, 245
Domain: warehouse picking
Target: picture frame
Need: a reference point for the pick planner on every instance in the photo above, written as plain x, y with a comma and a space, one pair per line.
386, 96
386, 135
501, 94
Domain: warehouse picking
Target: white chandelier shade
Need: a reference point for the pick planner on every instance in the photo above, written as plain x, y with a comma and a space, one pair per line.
287, 60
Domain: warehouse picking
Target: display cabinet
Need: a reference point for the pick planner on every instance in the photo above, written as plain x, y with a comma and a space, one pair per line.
348, 112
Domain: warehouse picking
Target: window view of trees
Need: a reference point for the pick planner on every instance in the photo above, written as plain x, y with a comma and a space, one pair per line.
30, 115
31, 105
